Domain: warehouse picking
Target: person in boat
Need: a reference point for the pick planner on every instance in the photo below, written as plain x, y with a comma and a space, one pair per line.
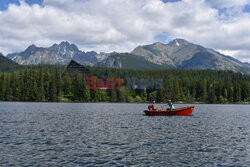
152, 106
171, 106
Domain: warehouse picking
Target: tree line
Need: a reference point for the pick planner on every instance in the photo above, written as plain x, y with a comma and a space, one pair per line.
53, 84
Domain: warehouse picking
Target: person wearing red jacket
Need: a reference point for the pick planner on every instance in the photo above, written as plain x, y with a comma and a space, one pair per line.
151, 106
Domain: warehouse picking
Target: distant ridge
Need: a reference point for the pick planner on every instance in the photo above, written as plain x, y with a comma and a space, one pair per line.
177, 54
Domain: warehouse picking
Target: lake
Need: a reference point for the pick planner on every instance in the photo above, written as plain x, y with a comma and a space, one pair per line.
119, 134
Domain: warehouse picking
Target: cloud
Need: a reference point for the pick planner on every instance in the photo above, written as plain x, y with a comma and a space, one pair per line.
121, 25
243, 55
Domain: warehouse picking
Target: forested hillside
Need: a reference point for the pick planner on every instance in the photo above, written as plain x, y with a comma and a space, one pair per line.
7, 64
47, 84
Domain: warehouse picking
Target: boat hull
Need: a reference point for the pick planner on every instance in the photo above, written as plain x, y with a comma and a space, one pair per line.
177, 111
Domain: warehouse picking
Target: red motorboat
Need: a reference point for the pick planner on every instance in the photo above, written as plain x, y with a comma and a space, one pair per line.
177, 111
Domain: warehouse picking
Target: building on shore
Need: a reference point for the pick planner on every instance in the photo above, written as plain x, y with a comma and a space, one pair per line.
74, 67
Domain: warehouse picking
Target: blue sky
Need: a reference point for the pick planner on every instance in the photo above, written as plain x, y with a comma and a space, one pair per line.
118, 25
4, 3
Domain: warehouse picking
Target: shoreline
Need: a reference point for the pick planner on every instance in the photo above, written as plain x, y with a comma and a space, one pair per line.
243, 103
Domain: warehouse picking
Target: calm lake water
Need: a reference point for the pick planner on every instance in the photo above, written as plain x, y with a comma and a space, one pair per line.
114, 134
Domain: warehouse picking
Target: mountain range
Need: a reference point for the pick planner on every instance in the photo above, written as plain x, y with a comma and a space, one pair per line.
178, 54
56, 54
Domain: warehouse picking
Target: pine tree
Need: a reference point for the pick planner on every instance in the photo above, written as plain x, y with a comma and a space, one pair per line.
225, 94
35, 92
122, 95
204, 90
182, 96
66, 84
75, 86
13, 84
245, 87
113, 96
47, 79
231, 94
169, 89
2, 87
41, 93
18, 92
160, 96
176, 95
238, 94
32, 85
188, 96
8, 91
80, 92
58, 82
193, 91
25, 88
144, 96
86, 92
53, 89
211, 96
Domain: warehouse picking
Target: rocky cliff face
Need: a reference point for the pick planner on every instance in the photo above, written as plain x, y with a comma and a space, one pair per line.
128, 61
113, 61
57, 54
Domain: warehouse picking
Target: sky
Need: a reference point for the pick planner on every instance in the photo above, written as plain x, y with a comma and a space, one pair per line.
122, 25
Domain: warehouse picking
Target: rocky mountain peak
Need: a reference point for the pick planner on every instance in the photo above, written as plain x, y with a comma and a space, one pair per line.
30, 50
68, 45
158, 43
31, 47
64, 46
178, 42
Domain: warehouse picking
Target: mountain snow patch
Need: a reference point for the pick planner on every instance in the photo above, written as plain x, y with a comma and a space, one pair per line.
176, 42
14, 58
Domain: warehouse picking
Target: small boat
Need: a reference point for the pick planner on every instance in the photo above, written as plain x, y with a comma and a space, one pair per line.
177, 111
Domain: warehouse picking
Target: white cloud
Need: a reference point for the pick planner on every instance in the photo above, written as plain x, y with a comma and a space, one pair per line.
121, 25
243, 55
